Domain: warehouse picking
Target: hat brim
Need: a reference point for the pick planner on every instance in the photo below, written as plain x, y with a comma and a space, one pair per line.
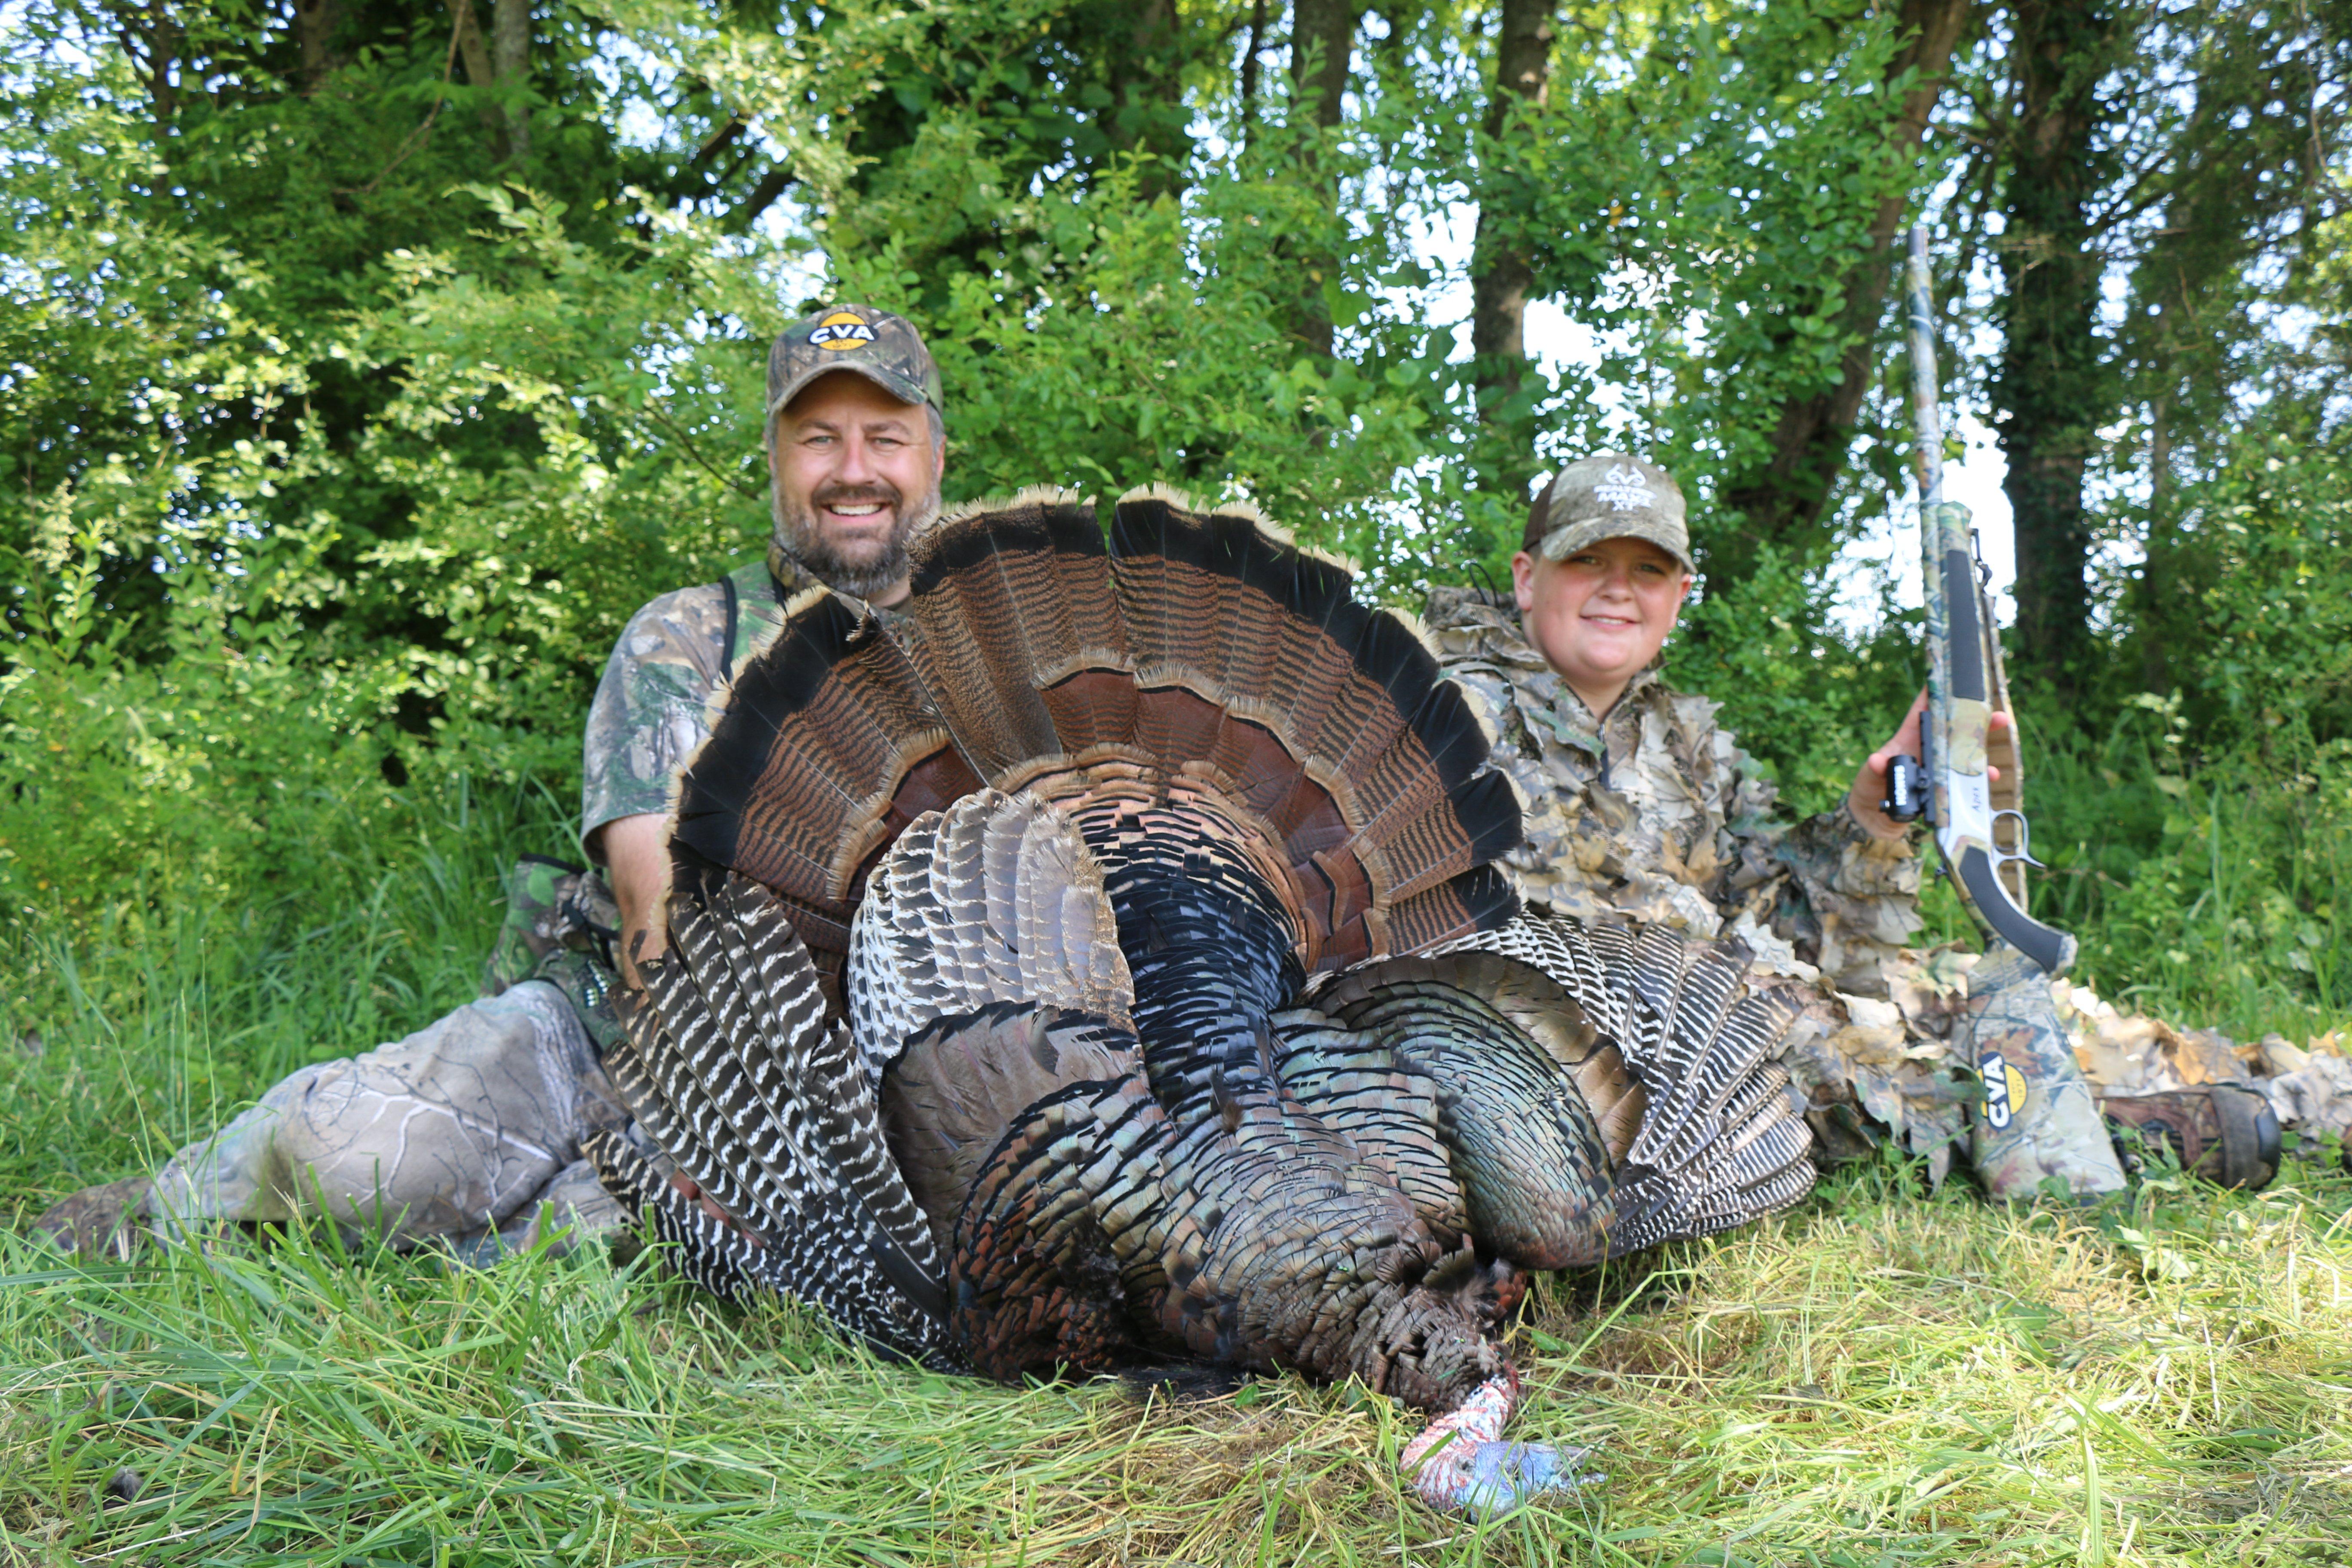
1568, 538
904, 388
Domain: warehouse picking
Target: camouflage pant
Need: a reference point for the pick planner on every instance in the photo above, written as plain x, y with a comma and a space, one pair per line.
468, 1130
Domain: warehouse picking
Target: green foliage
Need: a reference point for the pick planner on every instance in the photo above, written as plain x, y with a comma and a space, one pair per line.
1809, 701
2262, 626
349, 435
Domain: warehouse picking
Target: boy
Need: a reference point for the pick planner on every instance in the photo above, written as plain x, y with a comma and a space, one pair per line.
1642, 807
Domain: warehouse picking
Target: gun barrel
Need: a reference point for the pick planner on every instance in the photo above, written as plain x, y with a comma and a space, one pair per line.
1919, 302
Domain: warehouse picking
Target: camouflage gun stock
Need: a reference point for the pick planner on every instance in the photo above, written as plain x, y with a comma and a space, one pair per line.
2040, 1120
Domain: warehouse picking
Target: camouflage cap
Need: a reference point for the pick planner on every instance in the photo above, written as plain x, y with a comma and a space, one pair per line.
883, 348
1608, 496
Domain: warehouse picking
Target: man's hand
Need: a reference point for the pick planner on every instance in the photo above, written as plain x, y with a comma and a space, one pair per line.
636, 855
1865, 799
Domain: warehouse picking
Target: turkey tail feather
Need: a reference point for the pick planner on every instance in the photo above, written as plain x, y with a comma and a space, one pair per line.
1010, 601
1721, 1140
821, 751
760, 1100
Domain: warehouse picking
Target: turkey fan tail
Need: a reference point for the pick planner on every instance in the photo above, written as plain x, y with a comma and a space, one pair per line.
996, 899
1014, 634
1720, 1141
820, 752
733, 1068
1207, 647
1326, 717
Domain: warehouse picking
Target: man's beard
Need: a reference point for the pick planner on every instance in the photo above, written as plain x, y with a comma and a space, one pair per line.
797, 535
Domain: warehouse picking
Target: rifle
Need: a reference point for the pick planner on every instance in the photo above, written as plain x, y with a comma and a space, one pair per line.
2040, 1120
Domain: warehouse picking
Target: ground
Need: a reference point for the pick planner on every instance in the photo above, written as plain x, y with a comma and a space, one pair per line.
1876, 1377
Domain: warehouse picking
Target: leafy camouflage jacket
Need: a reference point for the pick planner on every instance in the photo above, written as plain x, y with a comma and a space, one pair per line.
1654, 812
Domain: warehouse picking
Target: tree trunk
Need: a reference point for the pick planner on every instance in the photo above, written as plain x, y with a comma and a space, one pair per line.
475, 50
1331, 24
1501, 271
150, 36
1147, 112
1250, 67
2051, 391
2155, 582
510, 60
1322, 35
315, 22
1783, 501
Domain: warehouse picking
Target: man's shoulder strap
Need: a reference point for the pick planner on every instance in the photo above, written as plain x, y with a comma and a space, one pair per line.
755, 611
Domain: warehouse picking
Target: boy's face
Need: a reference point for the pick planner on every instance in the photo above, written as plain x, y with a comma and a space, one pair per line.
1600, 615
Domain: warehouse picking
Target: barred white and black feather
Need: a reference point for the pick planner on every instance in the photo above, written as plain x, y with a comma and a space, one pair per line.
1720, 1141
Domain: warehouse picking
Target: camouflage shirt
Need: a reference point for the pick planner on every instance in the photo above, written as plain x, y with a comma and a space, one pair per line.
650, 713
1652, 811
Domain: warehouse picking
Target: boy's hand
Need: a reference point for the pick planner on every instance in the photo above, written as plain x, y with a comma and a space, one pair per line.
1865, 799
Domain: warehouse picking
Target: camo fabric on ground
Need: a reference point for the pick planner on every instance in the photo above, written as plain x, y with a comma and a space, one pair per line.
460, 1130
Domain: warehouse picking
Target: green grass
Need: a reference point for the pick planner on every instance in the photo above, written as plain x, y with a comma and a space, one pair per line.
1877, 1378
1880, 1377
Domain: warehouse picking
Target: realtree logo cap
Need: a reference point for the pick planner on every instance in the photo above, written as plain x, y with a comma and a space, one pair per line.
883, 348
1608, 496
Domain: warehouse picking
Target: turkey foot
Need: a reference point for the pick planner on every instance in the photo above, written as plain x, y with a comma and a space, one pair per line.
1478, 1474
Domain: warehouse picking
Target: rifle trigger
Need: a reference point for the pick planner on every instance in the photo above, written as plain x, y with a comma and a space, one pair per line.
2024, 853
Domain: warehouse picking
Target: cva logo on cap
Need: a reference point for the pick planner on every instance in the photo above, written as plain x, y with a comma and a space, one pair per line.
1623, 488
841, 332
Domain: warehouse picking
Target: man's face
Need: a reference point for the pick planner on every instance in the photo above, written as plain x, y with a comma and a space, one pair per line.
855, 475
1600, 615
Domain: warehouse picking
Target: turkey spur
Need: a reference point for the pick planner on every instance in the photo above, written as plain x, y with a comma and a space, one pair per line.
1101, 962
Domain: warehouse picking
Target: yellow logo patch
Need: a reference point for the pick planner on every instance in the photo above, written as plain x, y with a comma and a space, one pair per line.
2004, 1089
842, 331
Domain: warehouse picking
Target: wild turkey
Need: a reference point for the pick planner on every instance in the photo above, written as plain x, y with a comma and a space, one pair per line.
1100, 962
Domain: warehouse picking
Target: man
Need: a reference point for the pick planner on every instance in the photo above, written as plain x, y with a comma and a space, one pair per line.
1641, 806
468, 1131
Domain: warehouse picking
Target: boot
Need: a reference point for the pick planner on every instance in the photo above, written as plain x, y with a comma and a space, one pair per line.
2225, 1133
